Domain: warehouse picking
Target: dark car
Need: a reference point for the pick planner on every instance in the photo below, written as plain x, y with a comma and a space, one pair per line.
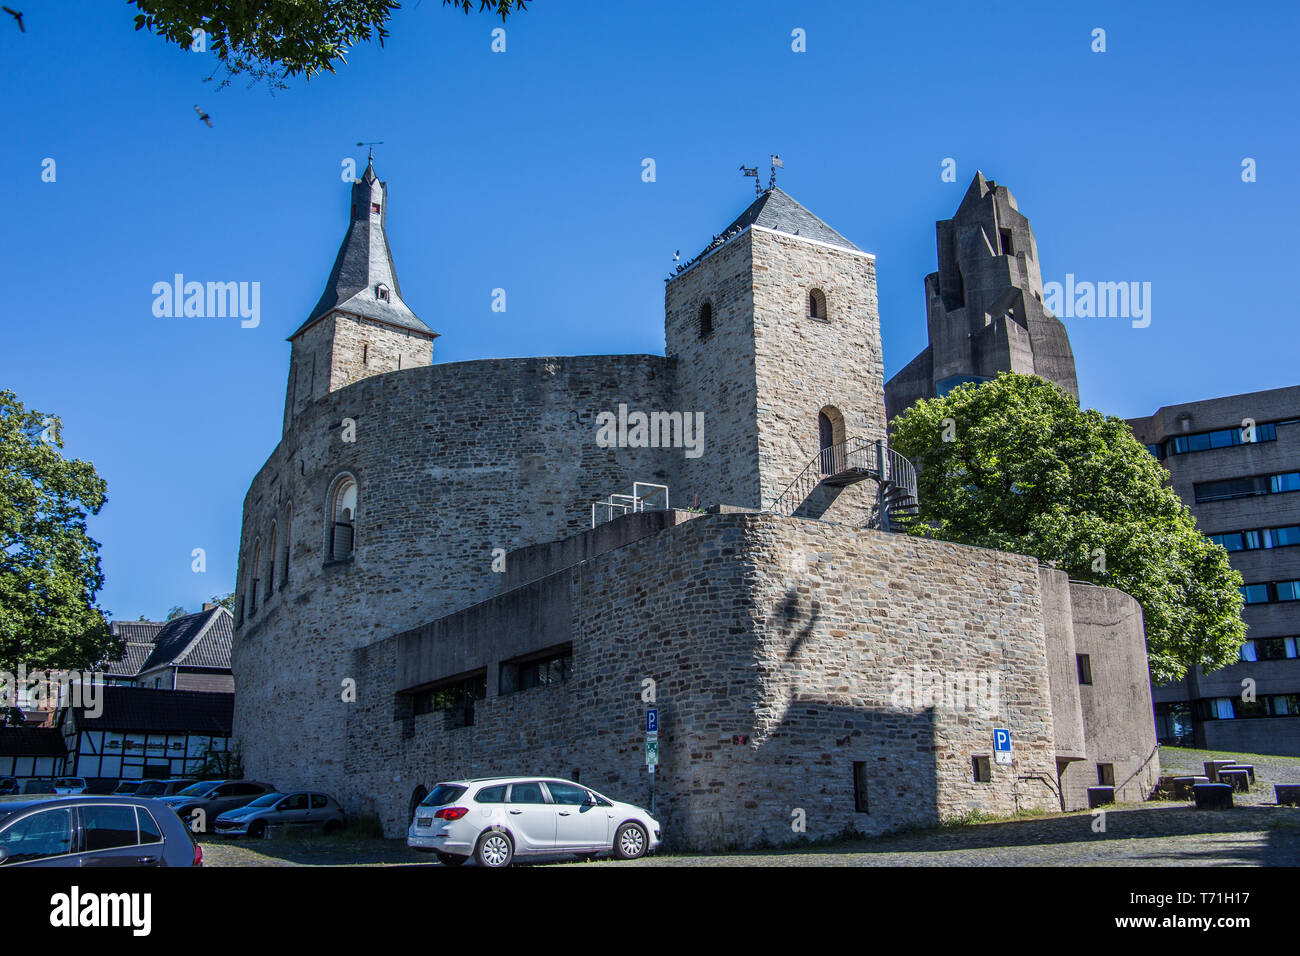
93, 831
8, 785
163, 788
126, 787
201, 803
300, 810
37, 786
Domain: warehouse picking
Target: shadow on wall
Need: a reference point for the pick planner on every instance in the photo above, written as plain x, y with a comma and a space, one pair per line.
827, 771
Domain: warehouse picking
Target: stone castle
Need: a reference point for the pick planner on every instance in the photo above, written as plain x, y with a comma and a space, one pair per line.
428, 588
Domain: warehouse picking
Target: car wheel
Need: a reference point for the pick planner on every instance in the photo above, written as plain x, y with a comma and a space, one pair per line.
630, 841
257, 830
494, 850
452, 859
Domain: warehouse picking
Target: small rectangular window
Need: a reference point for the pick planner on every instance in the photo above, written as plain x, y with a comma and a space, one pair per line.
981, 770
860, 802
1084, 663
1106, 774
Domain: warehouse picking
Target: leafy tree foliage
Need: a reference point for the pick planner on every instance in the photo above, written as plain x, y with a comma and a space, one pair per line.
49, 565
272, 40
1015, 464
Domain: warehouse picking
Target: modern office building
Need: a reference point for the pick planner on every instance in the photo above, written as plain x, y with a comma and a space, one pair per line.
1236, 462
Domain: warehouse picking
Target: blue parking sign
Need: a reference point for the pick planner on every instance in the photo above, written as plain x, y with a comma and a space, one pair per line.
1002, 740
652, 720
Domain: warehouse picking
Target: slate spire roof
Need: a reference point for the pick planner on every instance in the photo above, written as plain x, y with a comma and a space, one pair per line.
364, 263
777, 210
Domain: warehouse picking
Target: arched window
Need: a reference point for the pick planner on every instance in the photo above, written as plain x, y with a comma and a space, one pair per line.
253, 580
288, 531
830, 440
816, 304
706, 320
271, 554
341, 519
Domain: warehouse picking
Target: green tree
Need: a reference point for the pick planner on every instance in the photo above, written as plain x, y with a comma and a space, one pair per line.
176, 612
1015, 464
272, 40
49, 565
228, 602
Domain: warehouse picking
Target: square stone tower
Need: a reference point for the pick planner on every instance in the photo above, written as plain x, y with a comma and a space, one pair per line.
775, 329
361, 326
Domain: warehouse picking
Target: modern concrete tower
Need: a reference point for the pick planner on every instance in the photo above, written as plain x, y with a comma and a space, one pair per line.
360, 326
984, 306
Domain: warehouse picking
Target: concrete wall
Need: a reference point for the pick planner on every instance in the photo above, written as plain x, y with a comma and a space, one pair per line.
1118, 721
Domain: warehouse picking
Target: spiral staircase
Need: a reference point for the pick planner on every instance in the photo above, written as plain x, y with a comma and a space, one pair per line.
847, 463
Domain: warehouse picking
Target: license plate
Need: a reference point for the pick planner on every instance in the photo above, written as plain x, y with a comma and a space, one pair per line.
423, 821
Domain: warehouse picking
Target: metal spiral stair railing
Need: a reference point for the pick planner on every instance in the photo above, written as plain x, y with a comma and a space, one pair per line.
851, 461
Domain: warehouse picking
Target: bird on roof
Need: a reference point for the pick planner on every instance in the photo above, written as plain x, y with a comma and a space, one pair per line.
202, 115
17, 15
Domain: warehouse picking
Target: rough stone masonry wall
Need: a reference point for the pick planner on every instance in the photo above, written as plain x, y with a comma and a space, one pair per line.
715, 374
451, 461
789, 632
803, 364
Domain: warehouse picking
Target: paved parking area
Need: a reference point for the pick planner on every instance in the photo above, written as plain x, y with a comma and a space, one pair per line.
1254, 833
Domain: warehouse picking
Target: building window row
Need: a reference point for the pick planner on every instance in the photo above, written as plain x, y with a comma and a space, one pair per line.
1269, 649
456, 697
1270, 592
542, 670
1234, 708
1246, 487
1221, 438
1258, 538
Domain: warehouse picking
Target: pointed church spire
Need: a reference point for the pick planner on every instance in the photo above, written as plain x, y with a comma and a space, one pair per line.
364, 280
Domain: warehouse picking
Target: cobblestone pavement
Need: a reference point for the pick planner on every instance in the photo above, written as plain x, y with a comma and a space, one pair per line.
1158, 833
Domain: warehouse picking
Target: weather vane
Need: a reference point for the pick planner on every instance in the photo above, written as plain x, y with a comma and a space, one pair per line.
752, 171
776, 162
372, 148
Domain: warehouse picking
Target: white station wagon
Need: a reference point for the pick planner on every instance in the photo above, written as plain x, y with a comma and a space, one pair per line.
495, 819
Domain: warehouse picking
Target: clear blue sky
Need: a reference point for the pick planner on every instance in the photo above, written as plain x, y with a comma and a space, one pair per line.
522, 170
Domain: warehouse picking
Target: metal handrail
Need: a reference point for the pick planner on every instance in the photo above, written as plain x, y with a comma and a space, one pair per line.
894, 474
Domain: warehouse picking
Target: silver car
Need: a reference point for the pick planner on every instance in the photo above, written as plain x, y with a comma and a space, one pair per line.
496, 819
300, 810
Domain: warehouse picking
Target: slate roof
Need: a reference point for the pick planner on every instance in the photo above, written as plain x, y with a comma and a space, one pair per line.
195, 640
128, 665
777, 210
161, 711
137, 632
31, 742
364, 261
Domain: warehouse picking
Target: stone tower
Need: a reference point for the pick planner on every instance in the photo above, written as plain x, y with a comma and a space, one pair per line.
984, 306
360, 327
776, 335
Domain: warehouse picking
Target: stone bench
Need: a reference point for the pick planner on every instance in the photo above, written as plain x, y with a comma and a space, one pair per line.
1248, 767
1212, 768
1213, 796
1288, 794
1239, 780
1183, 786
1100, 796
